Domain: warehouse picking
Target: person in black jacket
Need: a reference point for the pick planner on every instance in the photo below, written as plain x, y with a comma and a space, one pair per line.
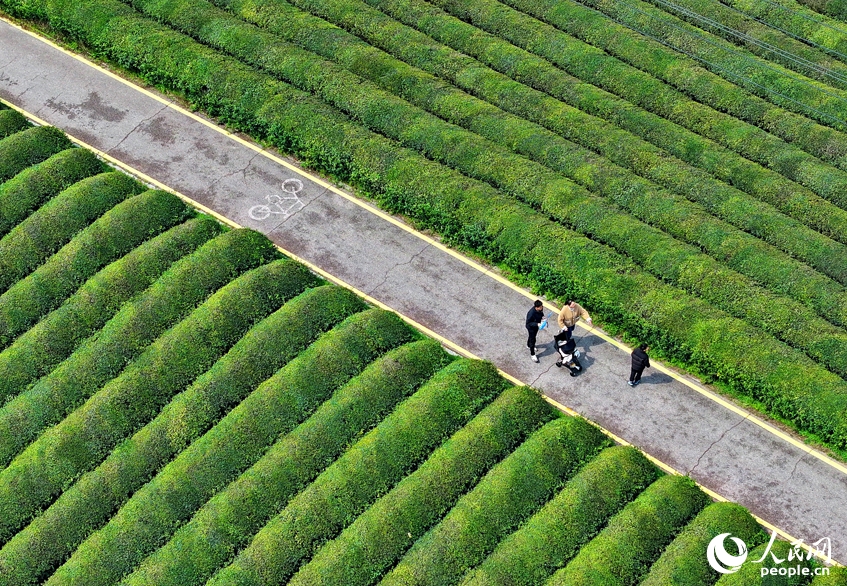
640, 361
533, 319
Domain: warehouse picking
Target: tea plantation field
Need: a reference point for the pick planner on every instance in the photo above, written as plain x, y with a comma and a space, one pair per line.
681, 168
183, 405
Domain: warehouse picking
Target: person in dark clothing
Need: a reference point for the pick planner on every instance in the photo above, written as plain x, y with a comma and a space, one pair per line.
567, 353
534, 317
640, 361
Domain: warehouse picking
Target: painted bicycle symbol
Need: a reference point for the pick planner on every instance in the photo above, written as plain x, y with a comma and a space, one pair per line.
284, 205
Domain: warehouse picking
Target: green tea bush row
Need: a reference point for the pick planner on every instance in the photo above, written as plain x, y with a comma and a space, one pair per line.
510, 493
32, 554
470, 214
725, 201
11, 122
25, 192
225, 523
636, 536
750, 573
591, 63
235, 443
375, 463
552, 536
113, 235
805, 22
775, 83
102, 357
28, 147
52, 226
551, 192
817, 62
683, 562
82, 440
59, 333
796, 201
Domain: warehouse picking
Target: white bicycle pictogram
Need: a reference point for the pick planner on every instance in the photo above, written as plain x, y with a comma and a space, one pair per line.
284, 205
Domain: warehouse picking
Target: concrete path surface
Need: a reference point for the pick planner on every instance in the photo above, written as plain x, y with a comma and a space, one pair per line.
723, 448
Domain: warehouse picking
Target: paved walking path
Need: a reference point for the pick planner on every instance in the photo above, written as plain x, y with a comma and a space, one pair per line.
721, 447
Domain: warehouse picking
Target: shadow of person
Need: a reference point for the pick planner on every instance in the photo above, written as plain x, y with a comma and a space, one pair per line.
655, 378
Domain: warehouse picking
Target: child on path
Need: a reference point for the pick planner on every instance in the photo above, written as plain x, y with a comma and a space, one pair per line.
640, 361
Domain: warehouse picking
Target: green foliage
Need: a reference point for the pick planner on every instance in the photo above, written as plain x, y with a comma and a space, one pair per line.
634, 538
553, 536
638, 85
28, 147
127, 334
236, 442
25, 192
226, 523
372, 466
683, 563
51, 227
58, 334
113, 235
511, 491
50, 538
837, 577
11, 122
59, 456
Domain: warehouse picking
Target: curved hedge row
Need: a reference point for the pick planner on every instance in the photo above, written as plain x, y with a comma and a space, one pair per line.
799, 93
636, 536
110, 237
617, 145
46, 231
750, 572
127, 334
11, 122
683, 562
816, 63
28, 147
511, 492
82, 440
470, 214
762, 183
680, 264
55, 337
33, 553
235, 443
836, 577
25, 192
372, 466
805, 21
594, 65
225, 523
551, 537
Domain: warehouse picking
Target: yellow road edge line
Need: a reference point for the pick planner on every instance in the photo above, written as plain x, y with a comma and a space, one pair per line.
441, 339
379, 213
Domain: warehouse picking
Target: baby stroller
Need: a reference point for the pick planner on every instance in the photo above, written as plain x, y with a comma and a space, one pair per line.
568, 353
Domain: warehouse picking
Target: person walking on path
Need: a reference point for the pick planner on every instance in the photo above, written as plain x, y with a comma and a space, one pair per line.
569, 315
533, 320
640, 361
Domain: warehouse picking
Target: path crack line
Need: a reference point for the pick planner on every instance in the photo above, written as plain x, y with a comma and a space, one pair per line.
137, 126
399, 264
715, 442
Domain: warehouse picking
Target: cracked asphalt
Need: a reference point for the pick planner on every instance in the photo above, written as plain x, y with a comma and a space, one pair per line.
727, 452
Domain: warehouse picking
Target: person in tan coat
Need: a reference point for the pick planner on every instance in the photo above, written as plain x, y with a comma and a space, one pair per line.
570, 314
